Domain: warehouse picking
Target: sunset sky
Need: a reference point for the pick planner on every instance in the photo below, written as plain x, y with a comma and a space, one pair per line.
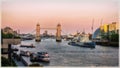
73, 15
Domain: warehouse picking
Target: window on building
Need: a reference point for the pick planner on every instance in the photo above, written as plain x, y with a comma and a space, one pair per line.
4, 50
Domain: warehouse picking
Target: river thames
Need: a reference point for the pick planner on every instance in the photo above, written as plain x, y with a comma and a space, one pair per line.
62, 54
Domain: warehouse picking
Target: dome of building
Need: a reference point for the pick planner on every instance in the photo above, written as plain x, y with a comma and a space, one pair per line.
96, 34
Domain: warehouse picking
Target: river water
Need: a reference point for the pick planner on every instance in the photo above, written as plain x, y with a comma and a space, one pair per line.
62, 54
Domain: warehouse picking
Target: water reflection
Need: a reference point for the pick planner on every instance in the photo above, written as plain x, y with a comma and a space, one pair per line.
62, 54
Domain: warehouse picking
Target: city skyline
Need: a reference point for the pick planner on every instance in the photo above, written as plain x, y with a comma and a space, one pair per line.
73, 15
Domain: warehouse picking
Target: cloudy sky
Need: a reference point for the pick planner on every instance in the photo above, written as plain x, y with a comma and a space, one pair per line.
73, 15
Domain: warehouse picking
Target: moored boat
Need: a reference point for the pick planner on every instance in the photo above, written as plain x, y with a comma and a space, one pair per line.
82, 41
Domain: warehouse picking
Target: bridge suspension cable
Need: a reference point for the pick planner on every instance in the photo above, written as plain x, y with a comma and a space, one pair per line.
30, 33
63, 32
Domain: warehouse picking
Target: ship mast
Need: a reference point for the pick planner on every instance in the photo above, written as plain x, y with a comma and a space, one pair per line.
101, 22
100, 26
92, 25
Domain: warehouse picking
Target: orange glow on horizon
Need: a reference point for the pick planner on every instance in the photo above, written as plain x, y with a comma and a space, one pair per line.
73, 16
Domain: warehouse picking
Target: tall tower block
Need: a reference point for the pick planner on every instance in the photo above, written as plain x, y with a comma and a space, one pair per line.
58, 34
37, 38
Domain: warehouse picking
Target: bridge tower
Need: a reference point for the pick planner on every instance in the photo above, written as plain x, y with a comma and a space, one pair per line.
58, 33
37, 38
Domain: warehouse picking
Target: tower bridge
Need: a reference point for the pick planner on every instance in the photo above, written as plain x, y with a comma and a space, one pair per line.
58, 32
